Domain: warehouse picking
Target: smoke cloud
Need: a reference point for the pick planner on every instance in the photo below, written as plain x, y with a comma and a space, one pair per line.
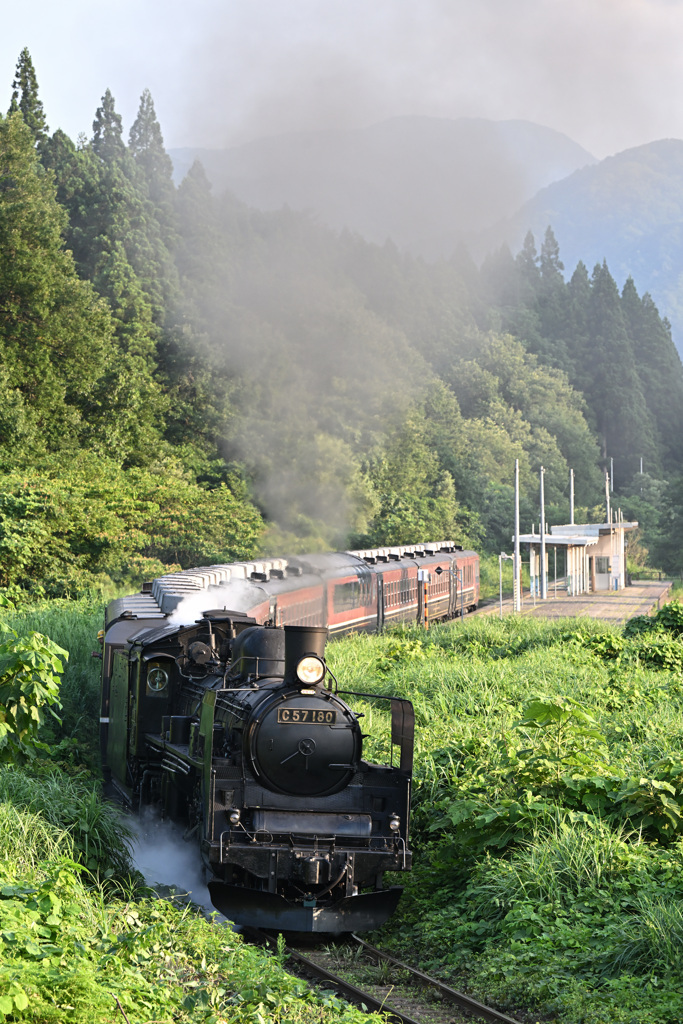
606, 74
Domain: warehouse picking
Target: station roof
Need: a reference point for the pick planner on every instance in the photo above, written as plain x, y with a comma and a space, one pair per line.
591, 529
558, 541
576, 534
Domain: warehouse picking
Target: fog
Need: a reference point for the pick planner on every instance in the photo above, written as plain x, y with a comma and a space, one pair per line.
606, 73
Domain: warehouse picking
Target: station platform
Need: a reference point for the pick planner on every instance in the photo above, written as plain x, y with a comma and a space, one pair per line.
642, 598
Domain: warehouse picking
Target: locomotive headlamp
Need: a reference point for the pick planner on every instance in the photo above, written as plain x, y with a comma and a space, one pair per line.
234, 816
310, 670
394, 823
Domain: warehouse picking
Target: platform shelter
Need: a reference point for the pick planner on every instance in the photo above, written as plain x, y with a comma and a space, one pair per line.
595, 556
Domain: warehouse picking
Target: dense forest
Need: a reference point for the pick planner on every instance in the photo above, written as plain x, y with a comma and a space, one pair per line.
188, 380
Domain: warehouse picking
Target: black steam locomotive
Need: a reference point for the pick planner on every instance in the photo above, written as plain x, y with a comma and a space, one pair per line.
230, 720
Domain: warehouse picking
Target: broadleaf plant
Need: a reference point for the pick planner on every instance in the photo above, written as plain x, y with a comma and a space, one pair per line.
30, 668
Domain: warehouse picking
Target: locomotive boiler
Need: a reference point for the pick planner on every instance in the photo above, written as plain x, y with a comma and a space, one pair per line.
239, 730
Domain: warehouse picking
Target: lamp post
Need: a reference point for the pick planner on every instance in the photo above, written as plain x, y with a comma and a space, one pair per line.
510, 558
517, 568
544, 582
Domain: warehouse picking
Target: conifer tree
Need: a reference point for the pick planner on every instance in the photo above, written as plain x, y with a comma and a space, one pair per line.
146, 143
659, 369
499, 277
529, 275
146, 146
108, 200
200, 386
201, 256
625, 425
576, 333
550, 264
552, 304
107, 129
25, 97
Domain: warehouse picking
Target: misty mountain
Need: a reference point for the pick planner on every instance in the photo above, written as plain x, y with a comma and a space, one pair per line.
424, 182
627, 209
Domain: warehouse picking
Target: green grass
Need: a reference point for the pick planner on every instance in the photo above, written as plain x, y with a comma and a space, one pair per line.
548, 810
100, 838
72, 954
74, 951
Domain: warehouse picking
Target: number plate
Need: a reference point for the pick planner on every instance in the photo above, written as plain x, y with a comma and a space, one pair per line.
306, 716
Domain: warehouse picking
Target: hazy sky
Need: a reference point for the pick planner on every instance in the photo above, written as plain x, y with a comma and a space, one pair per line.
608, 73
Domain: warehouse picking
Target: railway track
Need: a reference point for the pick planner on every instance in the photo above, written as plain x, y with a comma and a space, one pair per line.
418, 999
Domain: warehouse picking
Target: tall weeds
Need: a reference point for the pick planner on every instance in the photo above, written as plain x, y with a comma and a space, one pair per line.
563, 860
73, 625
653, 939
99, 837
27, 839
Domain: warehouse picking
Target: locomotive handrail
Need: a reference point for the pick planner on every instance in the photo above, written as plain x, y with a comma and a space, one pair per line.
402, 726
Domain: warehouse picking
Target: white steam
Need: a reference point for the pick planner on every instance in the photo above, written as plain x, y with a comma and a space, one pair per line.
235, 596
166, 859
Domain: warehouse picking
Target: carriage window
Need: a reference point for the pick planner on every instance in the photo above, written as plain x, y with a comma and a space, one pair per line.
347, 595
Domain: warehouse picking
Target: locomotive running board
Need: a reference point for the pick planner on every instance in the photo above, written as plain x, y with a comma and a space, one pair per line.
364, 912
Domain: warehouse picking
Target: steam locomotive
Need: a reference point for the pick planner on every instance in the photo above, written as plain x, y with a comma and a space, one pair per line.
217, 705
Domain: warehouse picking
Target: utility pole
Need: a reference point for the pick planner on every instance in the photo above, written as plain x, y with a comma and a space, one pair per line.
611, 474
544, 589
571, 497
607, 496
517, 564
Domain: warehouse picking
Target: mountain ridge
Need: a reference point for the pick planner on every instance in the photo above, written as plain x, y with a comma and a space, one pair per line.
627, 210
432, 184
416, 180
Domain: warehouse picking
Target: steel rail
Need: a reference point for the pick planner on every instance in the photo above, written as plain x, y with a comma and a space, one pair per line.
349, 992
357, 996
459, 998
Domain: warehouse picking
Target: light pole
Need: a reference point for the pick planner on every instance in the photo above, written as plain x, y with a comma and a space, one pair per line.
517, 567
544, 582
510, 558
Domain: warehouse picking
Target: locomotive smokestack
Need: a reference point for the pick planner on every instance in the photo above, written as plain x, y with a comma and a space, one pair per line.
299, 642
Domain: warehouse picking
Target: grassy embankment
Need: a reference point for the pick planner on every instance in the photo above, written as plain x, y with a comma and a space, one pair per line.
81, 939
547, 812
